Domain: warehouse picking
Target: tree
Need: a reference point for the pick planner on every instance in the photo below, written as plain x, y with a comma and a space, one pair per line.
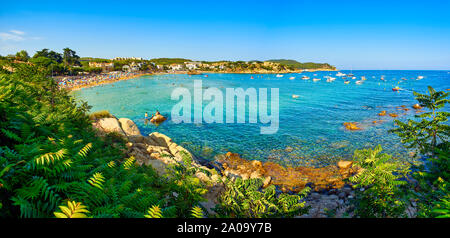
70, 57
431, 132
49, 54
22, 55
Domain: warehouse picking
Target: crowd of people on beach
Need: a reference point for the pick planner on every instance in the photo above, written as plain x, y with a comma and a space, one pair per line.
75, 82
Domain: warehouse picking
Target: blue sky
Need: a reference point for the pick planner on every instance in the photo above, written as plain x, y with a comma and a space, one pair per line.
348, 34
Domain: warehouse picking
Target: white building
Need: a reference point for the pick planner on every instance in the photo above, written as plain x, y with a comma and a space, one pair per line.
176, 67
192, 65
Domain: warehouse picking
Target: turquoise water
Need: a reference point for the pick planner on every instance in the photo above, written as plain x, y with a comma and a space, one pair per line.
311, 128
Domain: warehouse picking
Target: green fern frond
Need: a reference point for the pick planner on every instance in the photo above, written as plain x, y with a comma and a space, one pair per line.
97, 180
72, 210
197, 212
154, 212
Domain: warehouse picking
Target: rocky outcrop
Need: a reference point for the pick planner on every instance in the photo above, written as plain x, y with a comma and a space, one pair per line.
108, 125
287, 178
159, 151
129, 127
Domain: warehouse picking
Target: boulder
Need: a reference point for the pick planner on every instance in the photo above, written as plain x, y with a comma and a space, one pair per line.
416, 106
108, 125
158, 119
129, 127
344, 164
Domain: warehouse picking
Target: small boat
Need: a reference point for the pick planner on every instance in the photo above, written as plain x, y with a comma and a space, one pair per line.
419, 77
347, 81
279, 75
350, 75
305, 77
295, 96
359, 82
316, 79
251, 77
339, 74
363, 78
330, 79
344, 77
291, 78
353, 77
206, 76
396, 89
404, 79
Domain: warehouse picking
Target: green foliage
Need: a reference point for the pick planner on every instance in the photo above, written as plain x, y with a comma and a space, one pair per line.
73, 210
167, 61
49, 153
380, 182
430, 136
431, 132
197, 212
154, 212
247, 199
297, 65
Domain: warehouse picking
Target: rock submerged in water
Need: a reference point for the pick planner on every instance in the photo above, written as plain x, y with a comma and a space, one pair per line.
351, 126
158, 119
288, 178
417, 106
382, 113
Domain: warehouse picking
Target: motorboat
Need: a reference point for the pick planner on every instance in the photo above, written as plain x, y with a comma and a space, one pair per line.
396, 89
359, 82
279, 75
291, 78
305, 77
347, 81
295, 96
339, 74
316, 79
330, 79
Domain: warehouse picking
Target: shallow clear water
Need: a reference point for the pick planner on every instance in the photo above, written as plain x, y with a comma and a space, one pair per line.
311, 128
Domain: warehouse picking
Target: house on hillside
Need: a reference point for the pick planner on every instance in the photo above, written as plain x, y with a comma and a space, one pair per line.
192, 65
176, 67
103, 65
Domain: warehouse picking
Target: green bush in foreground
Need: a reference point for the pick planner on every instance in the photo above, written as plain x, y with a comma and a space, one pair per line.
247, 199
50, 157
379, 183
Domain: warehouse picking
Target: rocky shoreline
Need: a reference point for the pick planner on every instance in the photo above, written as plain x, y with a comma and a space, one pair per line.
331, 195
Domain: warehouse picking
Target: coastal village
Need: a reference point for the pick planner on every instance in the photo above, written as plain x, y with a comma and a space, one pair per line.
73, 72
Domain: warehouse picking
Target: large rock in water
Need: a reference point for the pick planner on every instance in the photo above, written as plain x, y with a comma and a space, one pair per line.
129, 127
108, 125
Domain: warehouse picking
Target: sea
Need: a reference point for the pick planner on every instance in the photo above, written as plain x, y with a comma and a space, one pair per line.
310, 131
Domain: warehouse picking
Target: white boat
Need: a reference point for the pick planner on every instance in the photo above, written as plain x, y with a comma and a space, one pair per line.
305, 77
291, 78
316, 79
330, 79
339, 74
295, 96
419, 77
359, 82
279, 75
353, 77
